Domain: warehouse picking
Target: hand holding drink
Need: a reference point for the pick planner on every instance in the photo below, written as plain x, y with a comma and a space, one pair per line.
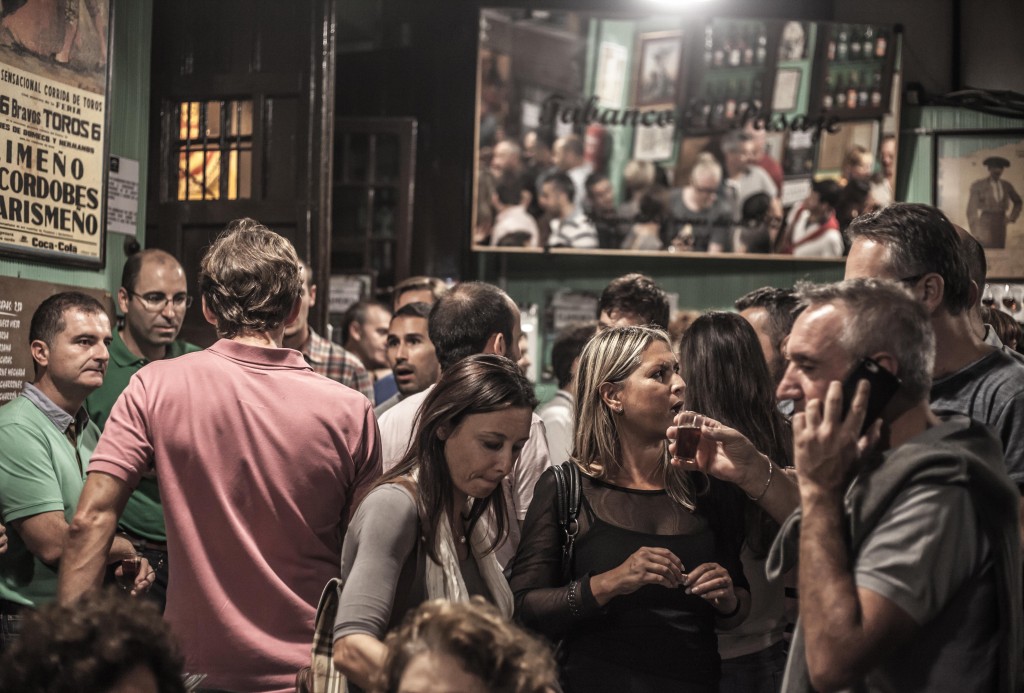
134, 574
688, 435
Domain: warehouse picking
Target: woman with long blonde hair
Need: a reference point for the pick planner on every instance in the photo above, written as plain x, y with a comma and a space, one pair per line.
653, 571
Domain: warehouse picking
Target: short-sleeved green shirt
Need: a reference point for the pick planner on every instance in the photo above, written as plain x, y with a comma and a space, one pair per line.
143, 515
39, 473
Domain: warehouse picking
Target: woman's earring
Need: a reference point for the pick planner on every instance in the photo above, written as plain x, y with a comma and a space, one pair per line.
619, 410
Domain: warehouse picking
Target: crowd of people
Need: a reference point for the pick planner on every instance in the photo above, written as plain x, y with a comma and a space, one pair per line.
544, 193
818, 491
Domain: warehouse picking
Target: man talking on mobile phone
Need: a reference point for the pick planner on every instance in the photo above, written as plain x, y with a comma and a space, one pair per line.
909, 563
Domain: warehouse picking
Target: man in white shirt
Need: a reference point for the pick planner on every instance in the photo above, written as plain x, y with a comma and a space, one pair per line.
812, 229
474, 318
559, 414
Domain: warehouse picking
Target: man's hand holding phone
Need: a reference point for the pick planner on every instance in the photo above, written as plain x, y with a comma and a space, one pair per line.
830, 435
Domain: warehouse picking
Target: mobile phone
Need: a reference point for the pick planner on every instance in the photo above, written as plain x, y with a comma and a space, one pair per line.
883, 386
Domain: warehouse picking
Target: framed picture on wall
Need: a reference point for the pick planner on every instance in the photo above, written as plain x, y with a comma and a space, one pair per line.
54, 114
653, 143
658, 66
979, 184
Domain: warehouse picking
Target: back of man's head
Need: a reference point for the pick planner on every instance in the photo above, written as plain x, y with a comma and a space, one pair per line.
427, 290
920, 240
249, 278
780, 305
828, 191
635, 295
466, 317
882, 316
567, 348
974, 253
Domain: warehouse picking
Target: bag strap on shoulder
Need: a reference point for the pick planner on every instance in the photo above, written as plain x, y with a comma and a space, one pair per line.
568, 493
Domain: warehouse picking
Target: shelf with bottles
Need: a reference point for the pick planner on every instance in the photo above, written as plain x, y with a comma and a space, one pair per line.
724, 100
736, 43
854, 70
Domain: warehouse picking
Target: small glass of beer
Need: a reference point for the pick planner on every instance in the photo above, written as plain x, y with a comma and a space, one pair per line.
688, 435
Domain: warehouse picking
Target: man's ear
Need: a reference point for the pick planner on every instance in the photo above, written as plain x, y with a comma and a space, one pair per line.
40, 352
312, 295
934, 291
610, 396
443, 432
208, 314
973, 295
122, 300
887, 361
496, 344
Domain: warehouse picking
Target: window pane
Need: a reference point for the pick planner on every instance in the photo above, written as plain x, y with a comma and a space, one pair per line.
183, 176
350, 213
244, 175
387, 158
385, 202
359, 157
213, 117
233, 175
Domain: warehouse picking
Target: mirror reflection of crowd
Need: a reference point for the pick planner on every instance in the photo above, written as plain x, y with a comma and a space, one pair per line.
554, 192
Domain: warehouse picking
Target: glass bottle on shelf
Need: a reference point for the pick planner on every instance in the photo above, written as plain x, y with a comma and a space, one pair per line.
748, 45
761, 52
876, 89
709, 46
827, 98
720, 47
735, 50
855, 44
863, 94
830, 53
757, 93
717, 98
730, 100
843, 44
881, 44
869, 43
839, 96
851, 91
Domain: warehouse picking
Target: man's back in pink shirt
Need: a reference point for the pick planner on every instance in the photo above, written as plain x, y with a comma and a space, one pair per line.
261, 463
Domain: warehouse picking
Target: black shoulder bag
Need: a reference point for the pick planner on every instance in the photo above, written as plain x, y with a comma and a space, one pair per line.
568, 491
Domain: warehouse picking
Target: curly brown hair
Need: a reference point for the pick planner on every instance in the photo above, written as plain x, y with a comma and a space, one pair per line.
90, 646
502, 655
249, 278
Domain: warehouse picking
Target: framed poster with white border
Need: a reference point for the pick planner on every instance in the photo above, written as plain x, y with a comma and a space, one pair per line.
54, 123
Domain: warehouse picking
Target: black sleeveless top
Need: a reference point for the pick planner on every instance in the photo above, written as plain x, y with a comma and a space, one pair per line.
654, 639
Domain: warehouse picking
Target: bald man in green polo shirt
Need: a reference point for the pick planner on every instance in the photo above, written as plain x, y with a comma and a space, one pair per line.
153, 298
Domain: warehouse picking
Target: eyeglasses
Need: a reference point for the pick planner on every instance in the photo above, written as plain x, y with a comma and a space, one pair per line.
156, 302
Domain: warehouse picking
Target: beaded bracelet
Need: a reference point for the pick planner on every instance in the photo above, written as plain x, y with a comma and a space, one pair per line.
771, 470
574, 603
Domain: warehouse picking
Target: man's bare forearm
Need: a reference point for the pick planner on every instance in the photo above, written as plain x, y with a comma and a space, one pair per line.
90, 537
829, 604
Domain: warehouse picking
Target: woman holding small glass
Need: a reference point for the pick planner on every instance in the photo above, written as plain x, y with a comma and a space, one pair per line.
655, 569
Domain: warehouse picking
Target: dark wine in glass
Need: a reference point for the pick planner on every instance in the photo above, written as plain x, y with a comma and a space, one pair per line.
687, 440
129, 571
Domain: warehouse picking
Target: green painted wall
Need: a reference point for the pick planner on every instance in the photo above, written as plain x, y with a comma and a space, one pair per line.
129, 137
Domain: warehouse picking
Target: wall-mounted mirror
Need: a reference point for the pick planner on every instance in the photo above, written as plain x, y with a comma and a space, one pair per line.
673, 134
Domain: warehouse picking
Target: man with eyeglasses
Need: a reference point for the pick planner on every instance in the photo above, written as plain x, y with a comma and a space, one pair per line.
701, 218
153, 298
917, 246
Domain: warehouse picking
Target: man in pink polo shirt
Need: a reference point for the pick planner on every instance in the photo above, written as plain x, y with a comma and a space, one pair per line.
261, 463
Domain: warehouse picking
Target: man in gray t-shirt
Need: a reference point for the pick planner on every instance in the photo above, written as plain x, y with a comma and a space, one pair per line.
917, 246
909, 557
